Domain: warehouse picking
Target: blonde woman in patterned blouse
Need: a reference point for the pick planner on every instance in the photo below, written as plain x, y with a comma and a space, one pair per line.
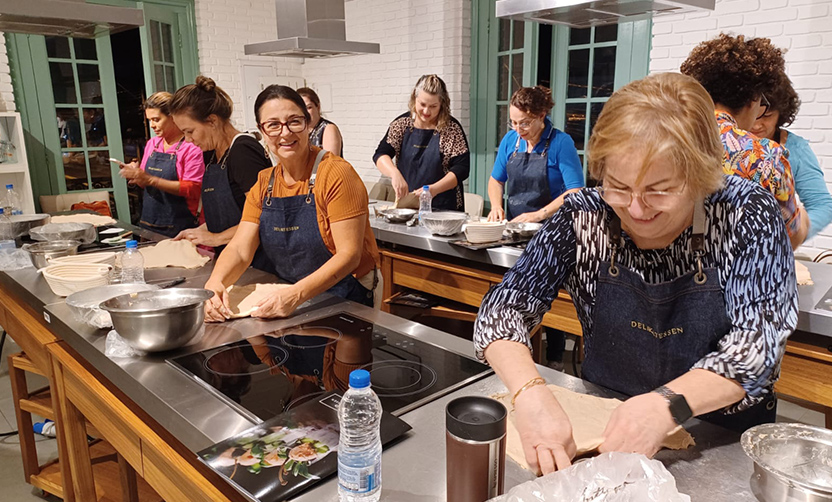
429, 146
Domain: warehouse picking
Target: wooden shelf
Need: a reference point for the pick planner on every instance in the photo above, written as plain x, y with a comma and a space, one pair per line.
22, 362
39, 403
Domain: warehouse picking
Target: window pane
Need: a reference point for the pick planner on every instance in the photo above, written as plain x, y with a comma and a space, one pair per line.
505, 35
502, 123
75, 170
90, 83
156, 40
603, 72
606, 33
502, 72
85, 48
516, 72
100, 171
578, 73
95, 127
579, 36
518, 35
159, 77
57, 47
63, 83
69, 127
594, 111
167, 43
575, 123
170, 80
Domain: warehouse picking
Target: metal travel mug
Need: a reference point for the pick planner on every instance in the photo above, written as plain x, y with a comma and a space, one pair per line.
475, 448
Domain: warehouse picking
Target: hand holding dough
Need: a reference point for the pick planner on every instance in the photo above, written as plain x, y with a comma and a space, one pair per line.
244, 299
170, 253
589, 416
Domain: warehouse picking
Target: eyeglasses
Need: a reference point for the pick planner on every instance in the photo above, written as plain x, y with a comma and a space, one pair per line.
275, 127
765, 104
654, 199
520, 125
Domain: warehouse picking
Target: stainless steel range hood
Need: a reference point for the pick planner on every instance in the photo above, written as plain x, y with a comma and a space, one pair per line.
585, 13
311, 29
68, 18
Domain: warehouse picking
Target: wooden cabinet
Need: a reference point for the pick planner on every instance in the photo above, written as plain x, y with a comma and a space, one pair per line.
806, 373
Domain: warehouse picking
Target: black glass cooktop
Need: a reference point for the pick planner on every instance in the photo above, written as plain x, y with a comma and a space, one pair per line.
265, 375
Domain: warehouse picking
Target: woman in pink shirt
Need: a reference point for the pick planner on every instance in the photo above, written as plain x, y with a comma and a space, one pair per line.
170, 173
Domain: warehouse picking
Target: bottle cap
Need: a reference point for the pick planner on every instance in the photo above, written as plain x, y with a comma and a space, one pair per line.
476, 418
360, 379
426, 187
9, 186
1, 210
131, 245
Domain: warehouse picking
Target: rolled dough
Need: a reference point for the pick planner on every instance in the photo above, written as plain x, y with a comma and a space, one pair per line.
97, 220
170, 253
589, 416
804, 278
243, 299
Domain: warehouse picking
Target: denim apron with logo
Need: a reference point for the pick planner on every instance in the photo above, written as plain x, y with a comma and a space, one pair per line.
162, 212
528, 180
649, 334
420, 162
290, 235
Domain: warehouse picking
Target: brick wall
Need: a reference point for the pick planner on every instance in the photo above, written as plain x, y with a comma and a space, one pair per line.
367, 92
6, 93
801, 26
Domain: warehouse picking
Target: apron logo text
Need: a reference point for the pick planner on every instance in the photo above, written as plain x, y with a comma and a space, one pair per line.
286, 229
649, 329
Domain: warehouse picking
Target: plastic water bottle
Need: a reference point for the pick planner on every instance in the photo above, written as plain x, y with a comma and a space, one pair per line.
425, 200
132, 264
359, 445
12, 201
6, 231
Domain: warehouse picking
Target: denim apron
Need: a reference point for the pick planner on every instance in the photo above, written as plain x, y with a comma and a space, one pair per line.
420, 162
220, 207
162, 212
290, 235
528, 180
650, 334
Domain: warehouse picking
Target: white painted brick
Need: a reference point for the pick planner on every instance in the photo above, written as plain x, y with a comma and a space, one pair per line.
774, 4
812, 11
730, 21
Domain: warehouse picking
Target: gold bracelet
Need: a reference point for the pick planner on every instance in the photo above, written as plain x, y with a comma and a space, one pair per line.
531, 383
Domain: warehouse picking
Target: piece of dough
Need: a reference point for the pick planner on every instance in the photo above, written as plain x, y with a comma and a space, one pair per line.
98, 220
589, 416
170, 253
804, 278
243, 299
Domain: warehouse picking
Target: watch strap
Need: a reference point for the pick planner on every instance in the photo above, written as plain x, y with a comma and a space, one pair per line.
679, 408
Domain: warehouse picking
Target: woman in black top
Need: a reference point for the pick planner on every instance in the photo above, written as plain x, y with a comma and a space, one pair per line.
232, 160
323, 133
429, 145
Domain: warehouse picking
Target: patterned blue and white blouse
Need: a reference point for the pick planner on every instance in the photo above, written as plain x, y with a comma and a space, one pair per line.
746, 242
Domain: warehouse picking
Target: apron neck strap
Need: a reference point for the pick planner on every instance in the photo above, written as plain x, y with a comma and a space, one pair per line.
545, 148
311, 179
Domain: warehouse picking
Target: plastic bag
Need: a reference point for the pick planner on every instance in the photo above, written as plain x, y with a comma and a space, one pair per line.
83, 232
14, 259
609, 477
116, 346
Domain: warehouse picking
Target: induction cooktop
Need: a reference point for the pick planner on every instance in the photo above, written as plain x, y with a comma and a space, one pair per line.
266, 375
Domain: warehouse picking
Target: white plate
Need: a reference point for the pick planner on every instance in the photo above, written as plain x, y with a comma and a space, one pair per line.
115, 241
109, 231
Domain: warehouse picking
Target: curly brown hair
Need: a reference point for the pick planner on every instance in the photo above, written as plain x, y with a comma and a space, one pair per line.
784, 99
533, 100
735, 70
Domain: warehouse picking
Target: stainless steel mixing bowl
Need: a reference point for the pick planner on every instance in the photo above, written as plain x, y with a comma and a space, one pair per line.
42, 252
397, 215
86, 304
155, 321
444, 222
524, 229
22, 223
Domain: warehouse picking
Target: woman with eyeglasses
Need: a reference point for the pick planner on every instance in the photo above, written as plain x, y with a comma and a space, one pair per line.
737, 73
682, 278
309, 213
232, 160
536, 164
808, 175
429, 146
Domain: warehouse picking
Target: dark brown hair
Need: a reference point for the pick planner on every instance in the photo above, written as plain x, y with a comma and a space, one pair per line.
784, 99
533, 100
159, 101
201, 100
275, 91
735, 70
306, 92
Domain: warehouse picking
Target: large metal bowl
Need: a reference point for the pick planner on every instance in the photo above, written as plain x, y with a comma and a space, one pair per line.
523, 230
83, 232
86, 304
155, 321
397, 215
42, 252
444, 222
22, 223
792, 462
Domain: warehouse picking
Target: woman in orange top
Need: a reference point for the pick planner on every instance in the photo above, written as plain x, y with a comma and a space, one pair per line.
311, 214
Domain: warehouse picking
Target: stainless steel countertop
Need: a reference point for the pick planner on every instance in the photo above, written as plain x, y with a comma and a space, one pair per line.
714, 470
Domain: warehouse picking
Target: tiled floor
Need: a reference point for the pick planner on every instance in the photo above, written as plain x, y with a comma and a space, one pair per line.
14, 488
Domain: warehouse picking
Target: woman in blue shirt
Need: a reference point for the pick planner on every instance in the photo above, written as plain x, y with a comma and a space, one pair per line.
538, 162
806, 171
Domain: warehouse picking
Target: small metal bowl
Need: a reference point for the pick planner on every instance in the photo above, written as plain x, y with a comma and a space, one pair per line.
397, 215
525, 229
792, 462
155, 321
42, 252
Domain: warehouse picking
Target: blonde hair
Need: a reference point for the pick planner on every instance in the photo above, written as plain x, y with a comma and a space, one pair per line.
667, 115
434, 85
159, 101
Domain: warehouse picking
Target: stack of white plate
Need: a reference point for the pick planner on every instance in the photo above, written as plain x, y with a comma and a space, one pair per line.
105, 258
67, 278
484, 231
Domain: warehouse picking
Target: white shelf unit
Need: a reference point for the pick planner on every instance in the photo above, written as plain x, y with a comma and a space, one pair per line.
15, 169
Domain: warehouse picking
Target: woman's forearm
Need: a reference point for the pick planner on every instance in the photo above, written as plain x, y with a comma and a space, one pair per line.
386, 166
552, 207
513, 363
706, 391
495, 193
333, 270
237, 256
331, 141
448, 182
168, 186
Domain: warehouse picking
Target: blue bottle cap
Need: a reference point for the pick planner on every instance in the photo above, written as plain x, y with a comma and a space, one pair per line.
360, 379
1, 210
131, 244
9, 186
426, 187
